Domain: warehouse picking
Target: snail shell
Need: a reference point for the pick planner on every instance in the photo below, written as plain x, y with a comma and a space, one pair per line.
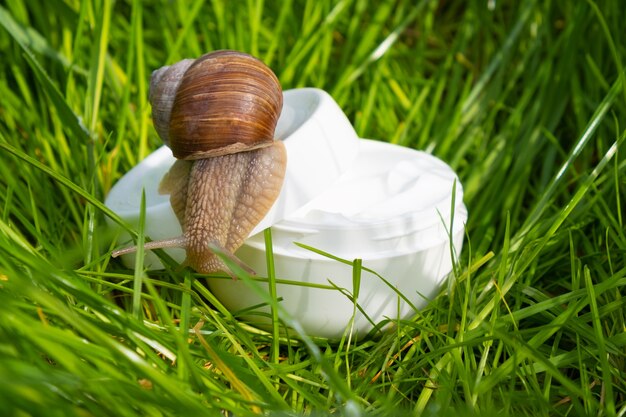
221, 103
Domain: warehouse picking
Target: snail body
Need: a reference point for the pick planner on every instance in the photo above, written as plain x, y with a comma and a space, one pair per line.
218, 114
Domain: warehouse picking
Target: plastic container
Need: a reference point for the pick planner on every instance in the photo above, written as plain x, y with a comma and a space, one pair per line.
390, 206
393, 210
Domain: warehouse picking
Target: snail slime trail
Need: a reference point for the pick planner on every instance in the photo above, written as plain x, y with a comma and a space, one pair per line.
218, 114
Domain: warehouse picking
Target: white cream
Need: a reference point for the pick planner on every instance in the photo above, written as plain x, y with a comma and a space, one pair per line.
392, 201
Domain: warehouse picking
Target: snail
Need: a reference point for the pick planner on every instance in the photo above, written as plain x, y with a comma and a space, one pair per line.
217, 114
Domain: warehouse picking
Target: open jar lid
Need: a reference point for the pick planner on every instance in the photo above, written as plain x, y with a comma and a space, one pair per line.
321, 145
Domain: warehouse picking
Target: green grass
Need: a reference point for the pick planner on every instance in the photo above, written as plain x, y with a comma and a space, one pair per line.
526, 100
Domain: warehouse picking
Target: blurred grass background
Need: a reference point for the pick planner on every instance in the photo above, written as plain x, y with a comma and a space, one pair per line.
526, 100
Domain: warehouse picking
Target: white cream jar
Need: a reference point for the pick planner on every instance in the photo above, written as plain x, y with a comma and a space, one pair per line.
390, 206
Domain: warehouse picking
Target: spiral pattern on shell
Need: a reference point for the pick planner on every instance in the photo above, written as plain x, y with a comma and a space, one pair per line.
221, 103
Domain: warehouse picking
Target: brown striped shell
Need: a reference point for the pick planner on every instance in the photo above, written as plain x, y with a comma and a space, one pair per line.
221, 103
